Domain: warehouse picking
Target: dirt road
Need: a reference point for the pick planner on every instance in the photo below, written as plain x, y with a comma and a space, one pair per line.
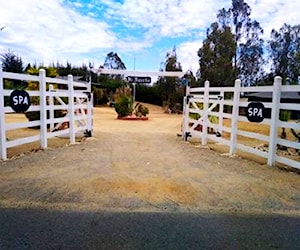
144, 166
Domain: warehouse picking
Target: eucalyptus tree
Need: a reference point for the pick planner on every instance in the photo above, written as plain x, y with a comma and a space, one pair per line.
251, 58
216, 55
248, 57
170, 87
284, 48
113, 61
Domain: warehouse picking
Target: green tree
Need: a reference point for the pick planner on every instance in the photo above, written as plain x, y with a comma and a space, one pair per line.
251, 59
170, 88
12, 63
63, 70
284, 48
113, 61
215, 56
149, 94
248, 57
190, 79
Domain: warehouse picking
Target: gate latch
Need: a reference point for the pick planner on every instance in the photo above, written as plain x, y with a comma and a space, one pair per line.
188, 97
89, 95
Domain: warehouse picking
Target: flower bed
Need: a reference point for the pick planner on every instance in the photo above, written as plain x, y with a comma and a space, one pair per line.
133, 118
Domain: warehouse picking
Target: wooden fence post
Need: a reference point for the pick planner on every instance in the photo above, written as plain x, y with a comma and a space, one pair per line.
235, 116
2, 119
274, 120
43, 108
71, 109
205, 114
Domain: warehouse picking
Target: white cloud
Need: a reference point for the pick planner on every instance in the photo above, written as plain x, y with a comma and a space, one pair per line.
171, 18
272, 14
187, 55
164, 17
46, 31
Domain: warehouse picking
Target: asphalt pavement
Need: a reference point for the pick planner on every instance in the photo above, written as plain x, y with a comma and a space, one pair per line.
46, 229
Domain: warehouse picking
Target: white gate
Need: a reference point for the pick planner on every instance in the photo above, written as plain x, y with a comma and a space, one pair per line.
75, 100
219, 114
203, 114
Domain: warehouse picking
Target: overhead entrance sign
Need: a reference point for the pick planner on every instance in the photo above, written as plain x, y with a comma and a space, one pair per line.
255, 112
138, 79
138, 73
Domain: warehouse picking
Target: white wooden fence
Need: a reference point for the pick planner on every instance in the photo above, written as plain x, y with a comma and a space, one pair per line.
203, 104
75, 100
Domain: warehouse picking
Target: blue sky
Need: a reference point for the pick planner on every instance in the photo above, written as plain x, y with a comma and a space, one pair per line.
79, 31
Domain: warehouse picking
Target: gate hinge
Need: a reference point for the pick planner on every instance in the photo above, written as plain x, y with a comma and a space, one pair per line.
87, 133
186, 135
188, 97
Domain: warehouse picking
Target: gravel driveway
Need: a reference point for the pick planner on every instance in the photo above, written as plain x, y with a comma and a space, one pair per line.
144, 165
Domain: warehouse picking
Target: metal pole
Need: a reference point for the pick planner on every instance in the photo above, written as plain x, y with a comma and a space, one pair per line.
133, 81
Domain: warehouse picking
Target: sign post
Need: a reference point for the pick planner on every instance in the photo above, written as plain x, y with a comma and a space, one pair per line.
134, 90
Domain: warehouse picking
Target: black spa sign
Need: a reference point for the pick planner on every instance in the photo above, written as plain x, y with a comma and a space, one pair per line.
255, 112
19, 101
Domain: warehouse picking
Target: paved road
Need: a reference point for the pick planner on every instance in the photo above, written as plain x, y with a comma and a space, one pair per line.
42, 229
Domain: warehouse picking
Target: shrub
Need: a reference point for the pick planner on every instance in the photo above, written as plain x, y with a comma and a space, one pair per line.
140, 110
123, 101
123, 107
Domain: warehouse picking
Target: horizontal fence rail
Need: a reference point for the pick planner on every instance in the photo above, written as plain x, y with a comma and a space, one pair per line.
75, 107
229, 113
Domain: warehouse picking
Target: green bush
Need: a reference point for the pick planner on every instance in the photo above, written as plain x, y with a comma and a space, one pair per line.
123, 106
123, 101
284, 115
